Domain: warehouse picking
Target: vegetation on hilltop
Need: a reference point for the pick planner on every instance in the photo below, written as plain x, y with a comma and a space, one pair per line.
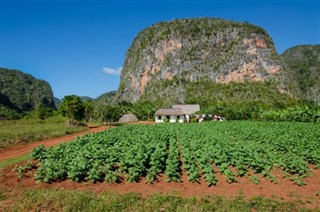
20, 92
302, 71
86, 98
106, 98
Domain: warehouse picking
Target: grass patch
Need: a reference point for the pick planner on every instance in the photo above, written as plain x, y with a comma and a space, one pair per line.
66, 200
29, 130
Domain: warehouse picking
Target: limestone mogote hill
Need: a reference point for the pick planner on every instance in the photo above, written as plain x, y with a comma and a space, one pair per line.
170, 61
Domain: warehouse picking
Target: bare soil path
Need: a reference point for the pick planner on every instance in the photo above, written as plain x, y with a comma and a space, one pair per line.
23, 149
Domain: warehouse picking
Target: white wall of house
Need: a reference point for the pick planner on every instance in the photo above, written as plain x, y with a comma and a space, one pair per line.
181, 119
158, 119
172, 119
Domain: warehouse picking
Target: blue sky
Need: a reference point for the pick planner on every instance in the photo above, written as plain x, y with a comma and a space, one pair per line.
79, 46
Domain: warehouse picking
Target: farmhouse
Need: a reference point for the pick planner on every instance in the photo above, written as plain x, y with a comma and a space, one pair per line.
178, 113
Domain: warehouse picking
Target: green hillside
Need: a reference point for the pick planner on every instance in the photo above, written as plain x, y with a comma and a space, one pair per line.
20, 92
106, 98
302, 71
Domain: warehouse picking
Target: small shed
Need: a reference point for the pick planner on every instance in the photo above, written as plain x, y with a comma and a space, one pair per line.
127, 118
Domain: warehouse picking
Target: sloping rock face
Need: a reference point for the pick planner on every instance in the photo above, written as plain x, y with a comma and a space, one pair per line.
301, 65
192, 50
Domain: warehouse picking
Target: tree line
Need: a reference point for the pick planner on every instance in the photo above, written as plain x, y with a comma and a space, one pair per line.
78, 111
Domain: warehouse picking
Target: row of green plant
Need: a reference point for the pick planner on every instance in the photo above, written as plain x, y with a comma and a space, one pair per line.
236, 147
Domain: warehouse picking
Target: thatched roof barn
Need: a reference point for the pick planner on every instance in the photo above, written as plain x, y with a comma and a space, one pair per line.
127, 118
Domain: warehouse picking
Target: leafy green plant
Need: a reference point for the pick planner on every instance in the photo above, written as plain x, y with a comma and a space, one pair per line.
39, 153
21, 170
233, 148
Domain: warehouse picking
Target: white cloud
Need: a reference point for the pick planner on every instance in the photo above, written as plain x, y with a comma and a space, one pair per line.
112, 70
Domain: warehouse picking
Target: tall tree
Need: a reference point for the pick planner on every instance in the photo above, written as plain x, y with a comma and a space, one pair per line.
145, 109
73, 108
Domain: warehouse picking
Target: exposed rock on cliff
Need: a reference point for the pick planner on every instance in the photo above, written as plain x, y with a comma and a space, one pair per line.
165, 57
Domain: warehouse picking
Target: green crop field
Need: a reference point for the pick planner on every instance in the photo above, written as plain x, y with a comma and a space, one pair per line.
235, 149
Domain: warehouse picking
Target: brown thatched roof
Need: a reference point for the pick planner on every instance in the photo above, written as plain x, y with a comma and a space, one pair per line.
126, 118
169, 112
188, 109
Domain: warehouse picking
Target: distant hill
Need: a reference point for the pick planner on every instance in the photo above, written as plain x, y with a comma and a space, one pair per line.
301, 66
86, 98
20, 92
106, 98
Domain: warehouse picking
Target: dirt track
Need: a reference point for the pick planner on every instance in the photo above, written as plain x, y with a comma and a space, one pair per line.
24, 149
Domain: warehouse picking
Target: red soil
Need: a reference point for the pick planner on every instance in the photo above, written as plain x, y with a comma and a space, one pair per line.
283, 190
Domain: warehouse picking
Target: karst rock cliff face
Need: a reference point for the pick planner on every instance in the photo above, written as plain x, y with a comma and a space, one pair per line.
195, 50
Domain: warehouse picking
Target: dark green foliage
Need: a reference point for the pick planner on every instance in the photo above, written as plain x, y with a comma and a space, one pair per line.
43, 112
295, 113
89, 112
145, 109
250, 96
20, 92
302, 71
112, 113
235, 101
73, 108
39, 153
